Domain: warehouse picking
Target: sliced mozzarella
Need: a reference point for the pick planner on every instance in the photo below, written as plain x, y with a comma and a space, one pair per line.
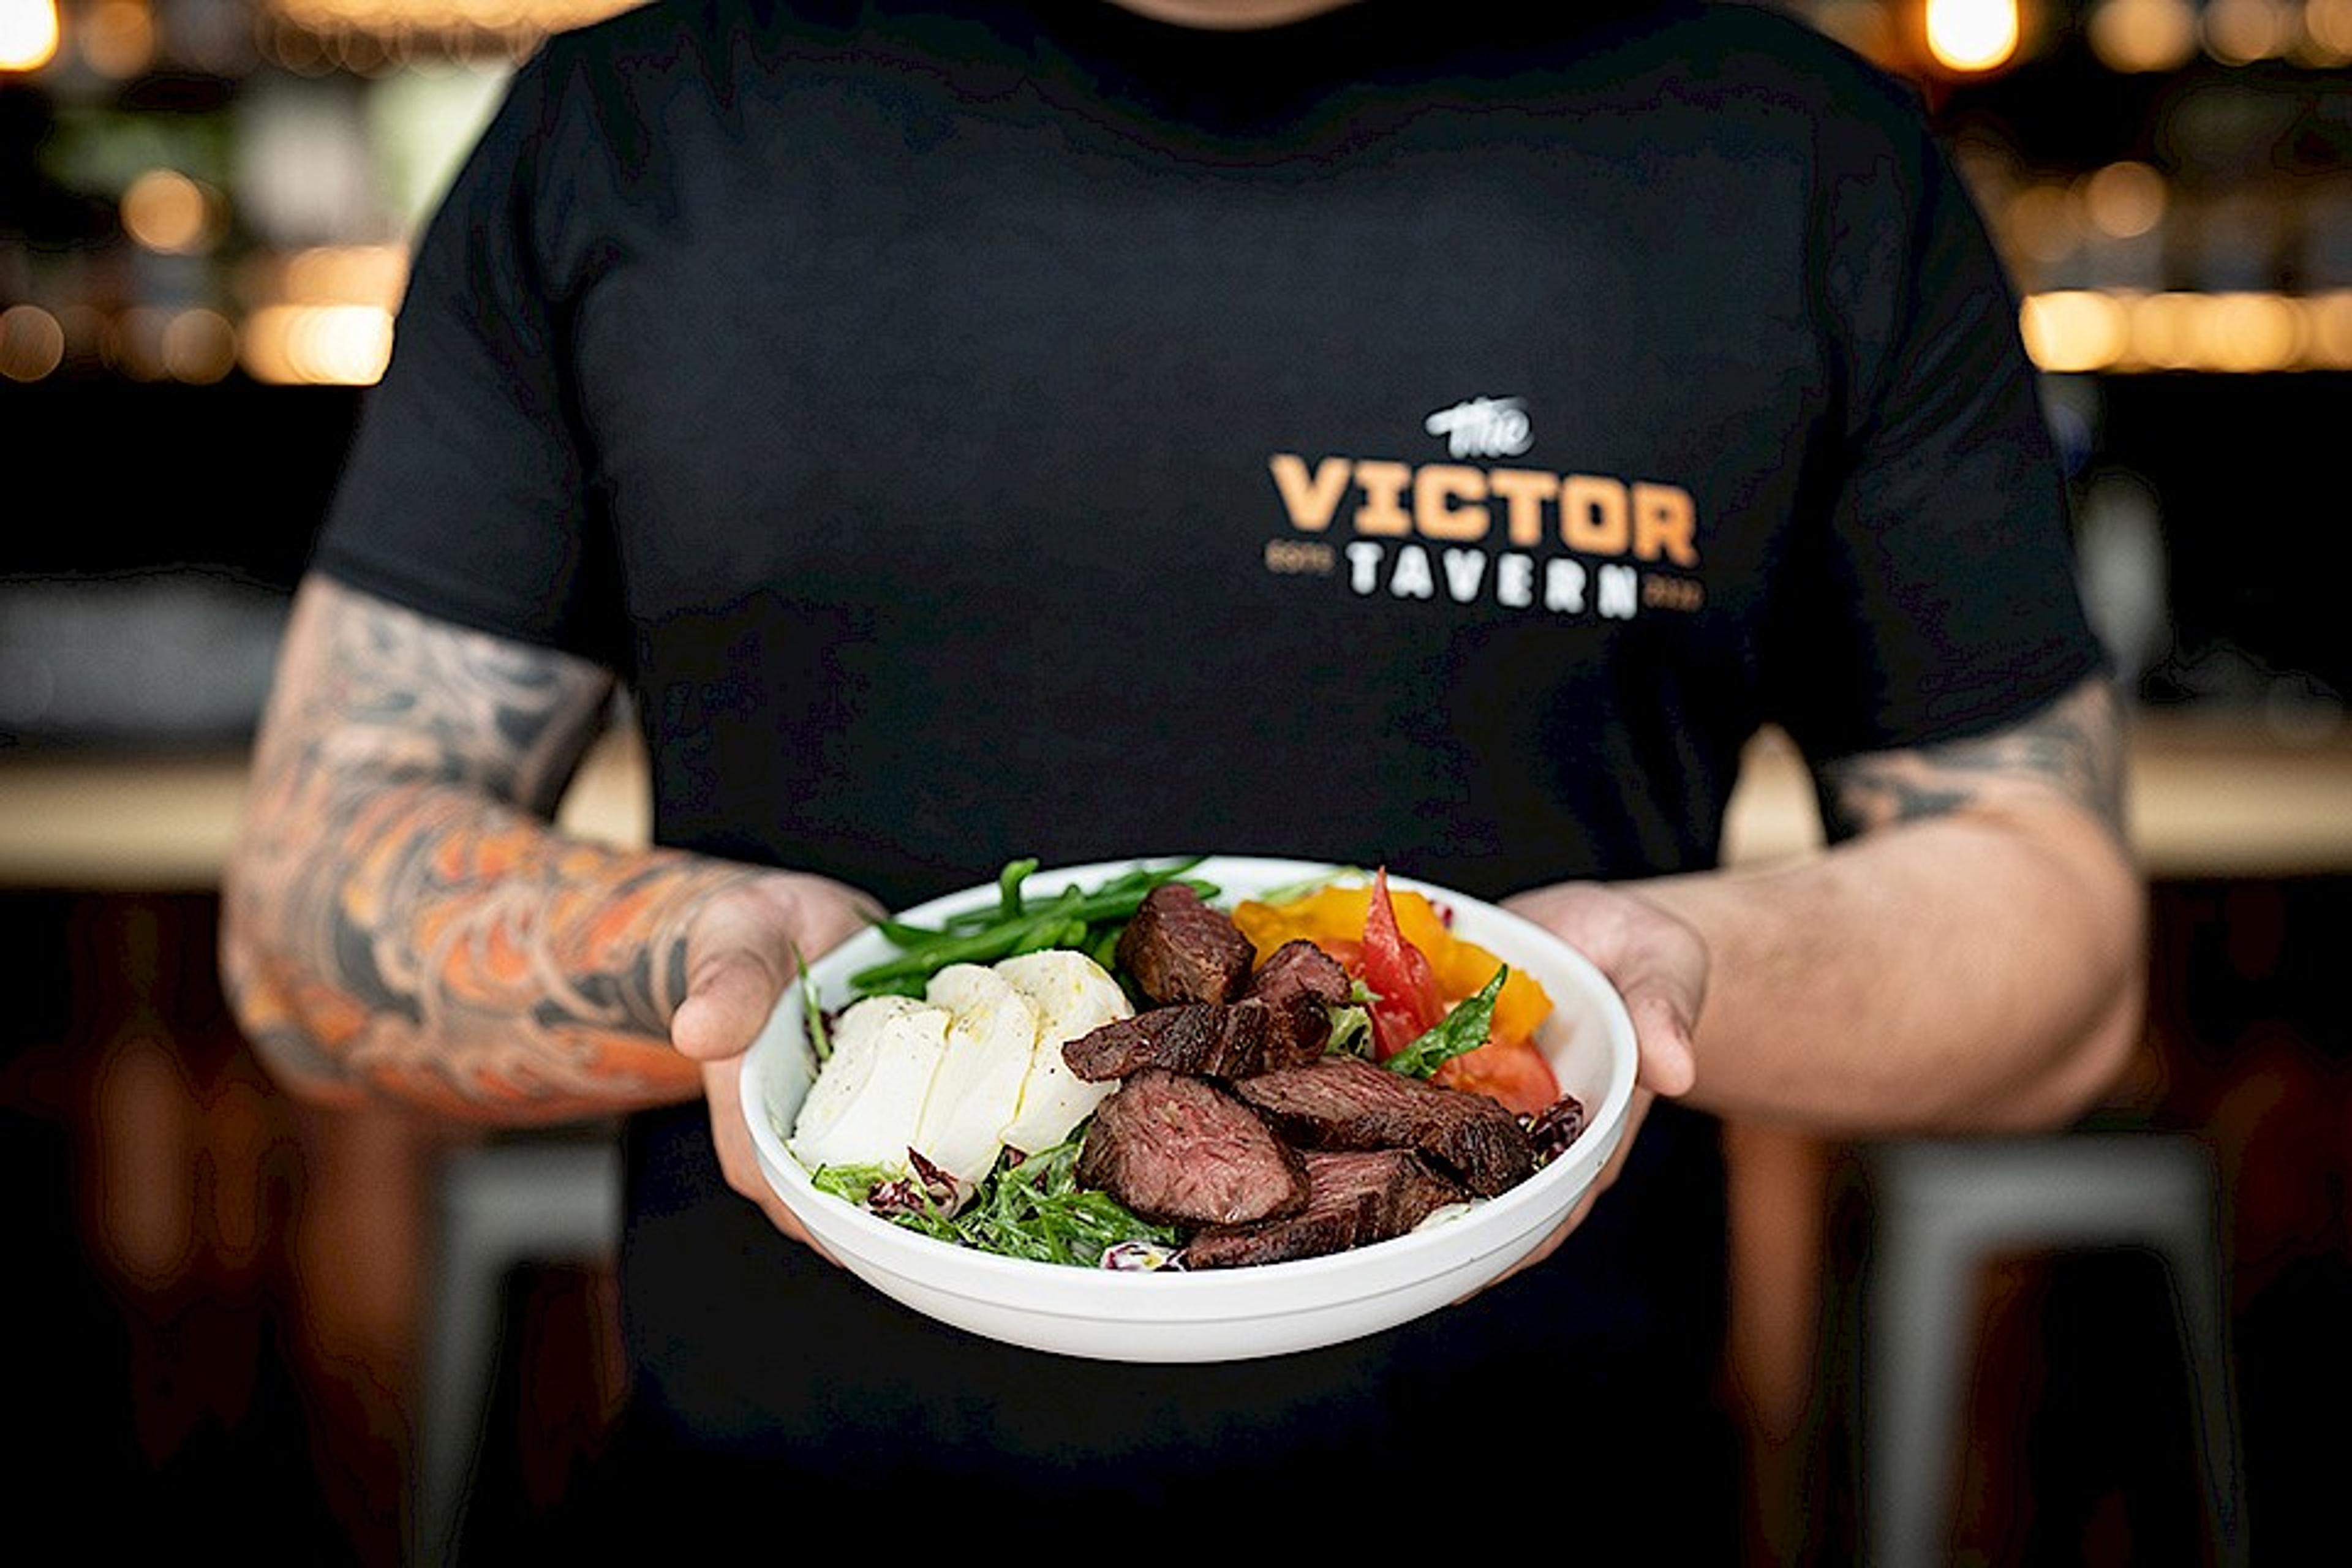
976, 1090
1073, 994
866, 1106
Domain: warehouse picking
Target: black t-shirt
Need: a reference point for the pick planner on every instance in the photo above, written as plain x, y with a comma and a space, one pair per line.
1429, 435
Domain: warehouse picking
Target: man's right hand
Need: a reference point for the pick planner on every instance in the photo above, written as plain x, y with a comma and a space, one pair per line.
740, 951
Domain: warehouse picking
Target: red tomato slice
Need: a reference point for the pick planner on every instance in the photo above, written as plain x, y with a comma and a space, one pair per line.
1409, 1004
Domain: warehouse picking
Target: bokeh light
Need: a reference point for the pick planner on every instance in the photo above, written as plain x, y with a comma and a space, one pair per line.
1972, 35
28, 33
2240, 32
2139, 35
167, 212
32, 342
117, 37
336, 345
2125, 200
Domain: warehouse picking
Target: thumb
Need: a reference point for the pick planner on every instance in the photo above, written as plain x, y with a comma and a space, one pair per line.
1662, 1029
729, 995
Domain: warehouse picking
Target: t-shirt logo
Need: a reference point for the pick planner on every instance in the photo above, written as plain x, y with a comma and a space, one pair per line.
1523, 538
1483, 427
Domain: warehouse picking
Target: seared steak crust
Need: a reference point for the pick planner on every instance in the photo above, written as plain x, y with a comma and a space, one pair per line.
1180, 949
1301, 983
1183, 1150
1355, 1198
1346, 1102
1228, 1041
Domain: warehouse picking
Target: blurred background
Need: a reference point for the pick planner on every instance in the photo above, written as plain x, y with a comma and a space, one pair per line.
224, 1299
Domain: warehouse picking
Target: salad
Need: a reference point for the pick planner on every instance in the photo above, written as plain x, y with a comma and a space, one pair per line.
962, 1090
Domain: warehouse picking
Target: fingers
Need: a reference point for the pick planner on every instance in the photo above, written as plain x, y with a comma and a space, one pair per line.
729, 995
740, 956
1656, 961
739, 1158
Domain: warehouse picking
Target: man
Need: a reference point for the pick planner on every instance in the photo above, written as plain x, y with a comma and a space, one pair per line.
1370, 432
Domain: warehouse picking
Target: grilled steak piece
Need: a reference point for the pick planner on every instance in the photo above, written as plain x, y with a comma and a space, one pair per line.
1180, 949
1301, 983
1354, 1198
1196, 1037
1346, 1102
1181, 1150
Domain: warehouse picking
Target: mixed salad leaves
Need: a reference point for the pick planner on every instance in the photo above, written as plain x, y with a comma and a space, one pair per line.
1425, 1005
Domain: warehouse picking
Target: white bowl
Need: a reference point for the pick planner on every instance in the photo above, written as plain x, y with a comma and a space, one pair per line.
1216, 1314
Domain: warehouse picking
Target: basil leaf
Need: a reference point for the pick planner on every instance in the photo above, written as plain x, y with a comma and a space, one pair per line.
1463, 1029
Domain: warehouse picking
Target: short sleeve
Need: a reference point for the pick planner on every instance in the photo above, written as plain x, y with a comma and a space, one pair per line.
466, 494
1933, 592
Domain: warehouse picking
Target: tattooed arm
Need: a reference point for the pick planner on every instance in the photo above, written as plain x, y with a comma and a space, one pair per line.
1967, 955
401, 921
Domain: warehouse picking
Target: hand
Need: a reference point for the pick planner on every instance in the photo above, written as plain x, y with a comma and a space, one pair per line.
738, 960
1658, 963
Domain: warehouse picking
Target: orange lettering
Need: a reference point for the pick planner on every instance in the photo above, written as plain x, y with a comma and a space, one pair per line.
1439, 490
1383, 511
1309, 502
1665, 521
1523, 493
1594, 517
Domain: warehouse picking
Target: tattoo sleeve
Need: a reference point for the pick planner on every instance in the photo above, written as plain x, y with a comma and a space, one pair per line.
2073, 748
404, 920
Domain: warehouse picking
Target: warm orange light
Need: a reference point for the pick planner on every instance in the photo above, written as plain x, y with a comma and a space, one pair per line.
118, 37
1972, 35
32, 342
339, 346
2328, 29
28, 33
2240, 32
167, 212
346, 275
2331, 331
2074, 330
2143, 34
2124, 200
199, 346
2247, 332
2044, 221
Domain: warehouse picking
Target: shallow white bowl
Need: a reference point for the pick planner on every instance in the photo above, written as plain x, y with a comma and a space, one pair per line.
1216, 1314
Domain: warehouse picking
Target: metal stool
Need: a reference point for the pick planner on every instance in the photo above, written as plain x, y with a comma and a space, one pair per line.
1941, 1209
502, 1204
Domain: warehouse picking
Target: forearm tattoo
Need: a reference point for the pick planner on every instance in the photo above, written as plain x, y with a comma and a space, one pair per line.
2073, 747
408, 922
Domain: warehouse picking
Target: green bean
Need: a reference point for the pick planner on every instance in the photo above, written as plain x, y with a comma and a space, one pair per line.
1016, 925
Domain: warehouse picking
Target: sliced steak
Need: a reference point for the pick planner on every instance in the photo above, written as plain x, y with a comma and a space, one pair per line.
1346, 1102
1180, 949
1302, 983
1354, 1198
1181, 1150
1228, 1041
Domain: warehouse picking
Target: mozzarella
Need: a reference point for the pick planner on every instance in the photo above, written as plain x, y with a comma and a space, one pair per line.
976, 1088
867, 1105
1072, 994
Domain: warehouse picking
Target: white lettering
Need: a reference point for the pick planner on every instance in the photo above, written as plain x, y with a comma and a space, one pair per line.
1483, 427
1363, 566
1465, 569
1620, 592
1564, 587
1411, 579
1515, 579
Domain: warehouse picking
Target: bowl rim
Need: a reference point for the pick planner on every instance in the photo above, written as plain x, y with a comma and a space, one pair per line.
936, 1267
